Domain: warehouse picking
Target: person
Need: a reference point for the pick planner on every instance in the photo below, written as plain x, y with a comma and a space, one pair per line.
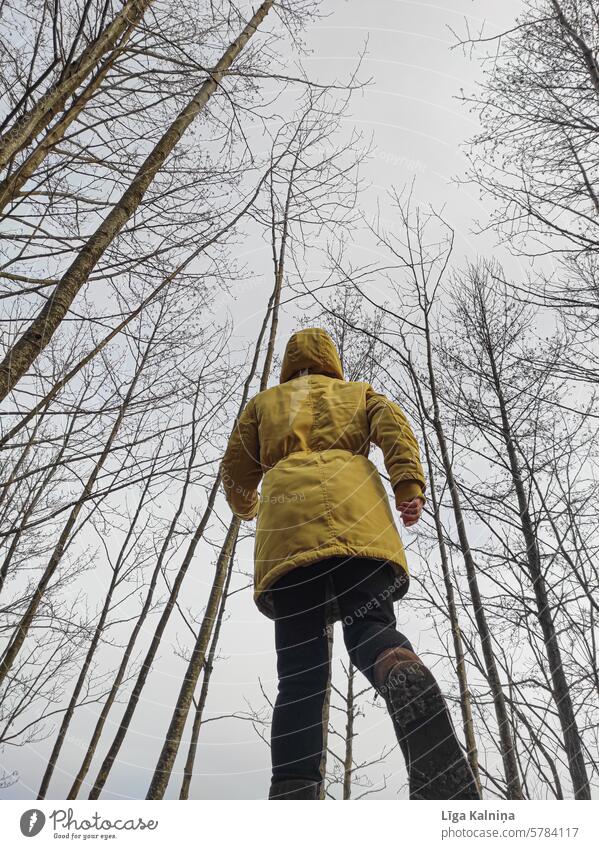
327, 549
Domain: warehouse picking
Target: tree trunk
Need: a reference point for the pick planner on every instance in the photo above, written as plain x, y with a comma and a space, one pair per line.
13, 183
98, 634
60, 384
208, 667
458, 645
561, 690
279, 268
173, 736
349, 734
25, 128
142, 676
326, 712
506, 743
33, 341
66, 720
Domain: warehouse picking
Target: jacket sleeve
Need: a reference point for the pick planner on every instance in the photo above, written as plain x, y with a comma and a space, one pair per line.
240, 467
391, 431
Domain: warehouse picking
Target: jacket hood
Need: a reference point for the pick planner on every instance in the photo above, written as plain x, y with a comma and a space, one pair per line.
314, 349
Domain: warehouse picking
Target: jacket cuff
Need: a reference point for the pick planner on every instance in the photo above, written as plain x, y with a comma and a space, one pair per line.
406, 490
247, 512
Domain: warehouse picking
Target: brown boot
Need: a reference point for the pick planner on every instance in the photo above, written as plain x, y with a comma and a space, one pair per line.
385, 662
436, 764
383, 665
294, 788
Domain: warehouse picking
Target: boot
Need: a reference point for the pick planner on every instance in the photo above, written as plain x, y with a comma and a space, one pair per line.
294, 788
436, 764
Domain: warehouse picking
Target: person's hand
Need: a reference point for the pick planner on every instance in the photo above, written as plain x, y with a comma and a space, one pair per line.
411, 511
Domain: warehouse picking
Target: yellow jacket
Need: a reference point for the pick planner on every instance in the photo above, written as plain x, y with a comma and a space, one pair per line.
308, 439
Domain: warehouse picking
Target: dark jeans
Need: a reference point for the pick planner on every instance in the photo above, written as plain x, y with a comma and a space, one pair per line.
361, 586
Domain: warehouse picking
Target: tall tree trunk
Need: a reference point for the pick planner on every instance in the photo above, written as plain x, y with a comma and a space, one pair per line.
12, 184
208, 668
561, 690
168, 755
506, 742
349, 733
142, 676
506, 747
70, 711
33, 341
27, 126
326, 713
172, 741
456, 633
278, 258
60, 384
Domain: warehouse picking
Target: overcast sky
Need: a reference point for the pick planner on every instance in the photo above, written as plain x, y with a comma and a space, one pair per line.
418, 126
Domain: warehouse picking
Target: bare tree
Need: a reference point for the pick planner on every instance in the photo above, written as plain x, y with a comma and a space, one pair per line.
22, 354
536, 156
496, 334
75, 70
538, 106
